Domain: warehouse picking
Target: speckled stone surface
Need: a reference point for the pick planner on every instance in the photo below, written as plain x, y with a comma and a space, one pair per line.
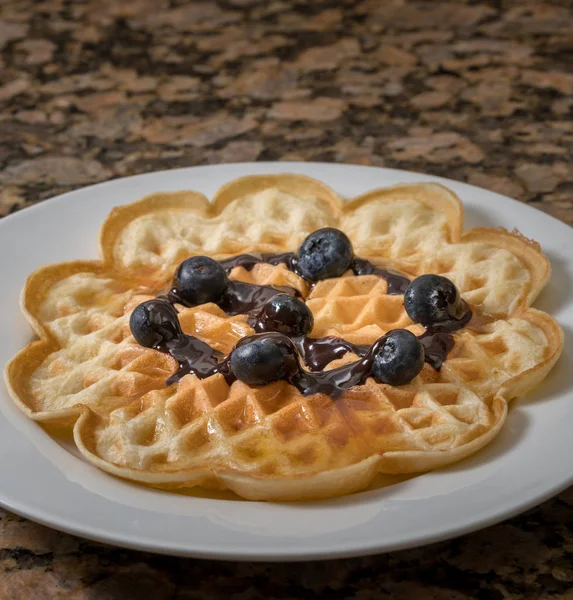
477, 91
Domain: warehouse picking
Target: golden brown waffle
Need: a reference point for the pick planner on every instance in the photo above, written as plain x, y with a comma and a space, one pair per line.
86, 371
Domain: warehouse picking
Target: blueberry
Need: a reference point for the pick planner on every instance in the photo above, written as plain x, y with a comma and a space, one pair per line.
398, 357
285, 314
153, 323
262, 358
200, 279
433, 299
324, 253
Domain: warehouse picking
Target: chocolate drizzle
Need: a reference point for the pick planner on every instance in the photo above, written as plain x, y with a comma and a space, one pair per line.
335, 381
198, 358
163, 333
248, 261
397, 282
437, 346
317, 353
194, 356
438, 340
240, 297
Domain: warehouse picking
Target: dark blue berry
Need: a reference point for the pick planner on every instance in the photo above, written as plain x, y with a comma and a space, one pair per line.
398, 357
262, 358
433, 299
285, 314
324, 253
200, 279
154, 323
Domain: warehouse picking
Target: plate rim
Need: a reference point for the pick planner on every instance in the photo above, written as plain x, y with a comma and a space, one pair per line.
258, 556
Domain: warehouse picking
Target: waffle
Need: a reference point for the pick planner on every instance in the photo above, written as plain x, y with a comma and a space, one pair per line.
86, 372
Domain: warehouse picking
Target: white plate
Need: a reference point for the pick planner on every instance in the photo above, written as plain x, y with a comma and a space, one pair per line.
529, 462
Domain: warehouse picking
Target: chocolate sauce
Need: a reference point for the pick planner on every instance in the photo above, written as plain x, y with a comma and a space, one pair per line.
240, 297
198, 358
438, 340
437, 346
248, 261
397, 282
162, 331
453, 324
317, 353
335, 381
194, 356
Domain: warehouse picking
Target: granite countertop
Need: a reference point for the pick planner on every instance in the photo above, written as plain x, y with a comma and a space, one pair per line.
480, 91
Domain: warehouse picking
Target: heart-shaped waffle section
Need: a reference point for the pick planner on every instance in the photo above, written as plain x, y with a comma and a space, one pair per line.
87, 373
